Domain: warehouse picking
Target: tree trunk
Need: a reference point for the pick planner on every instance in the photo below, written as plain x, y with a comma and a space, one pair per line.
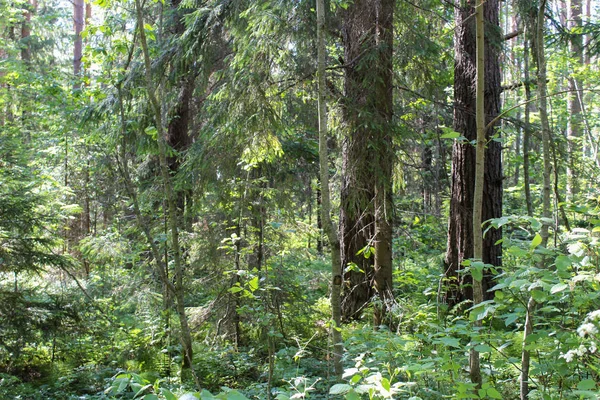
329, 228
475, 370
78, 46
540, 58
460, 226
573, 103
366, 209
186, 337
527, 129
30, 8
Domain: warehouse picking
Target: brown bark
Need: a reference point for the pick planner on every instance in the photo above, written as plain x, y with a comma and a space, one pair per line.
78, 21
31, 7
460, 230
366, 211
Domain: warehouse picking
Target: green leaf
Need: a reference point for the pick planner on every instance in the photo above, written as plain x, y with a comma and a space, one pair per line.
340, 388
537, 240
483, 348
206, 395
493, 393
477, 272
235, 289
386, 384
167, 393
253, 284
141, 390
562, 262
510, 318
586, 384
150, 397
450, 135
517, 251
451, 342
352, 395
235, 395
559, 287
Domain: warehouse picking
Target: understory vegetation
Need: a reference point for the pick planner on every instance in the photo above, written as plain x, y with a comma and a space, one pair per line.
162, 170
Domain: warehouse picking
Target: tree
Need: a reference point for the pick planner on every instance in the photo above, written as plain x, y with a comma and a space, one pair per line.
173, 213
574, 98
367, 157
460, 225
78, 23
329, 228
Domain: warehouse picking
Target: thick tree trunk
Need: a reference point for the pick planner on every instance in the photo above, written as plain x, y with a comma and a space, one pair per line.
460, 227
78, 6
31, 8
366, 209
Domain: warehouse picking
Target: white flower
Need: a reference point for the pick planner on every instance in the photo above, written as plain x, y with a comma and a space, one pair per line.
581, 350
569, 356
594, 315
587, 329
593, 348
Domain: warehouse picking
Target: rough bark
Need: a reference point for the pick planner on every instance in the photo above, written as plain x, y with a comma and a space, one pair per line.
30, 8
78, 6
366, 211
460, 227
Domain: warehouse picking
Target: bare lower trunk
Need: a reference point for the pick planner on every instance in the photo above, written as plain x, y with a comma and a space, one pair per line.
525, 354
367, 154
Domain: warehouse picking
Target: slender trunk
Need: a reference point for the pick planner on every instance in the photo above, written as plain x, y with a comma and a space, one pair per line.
460, 225
543, 108
573, 103
479, 176
319, 222
546, 212
186, 337
525, 354
328, 227
527, 130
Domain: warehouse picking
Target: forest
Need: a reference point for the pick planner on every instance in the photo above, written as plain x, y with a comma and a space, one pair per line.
299, 199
